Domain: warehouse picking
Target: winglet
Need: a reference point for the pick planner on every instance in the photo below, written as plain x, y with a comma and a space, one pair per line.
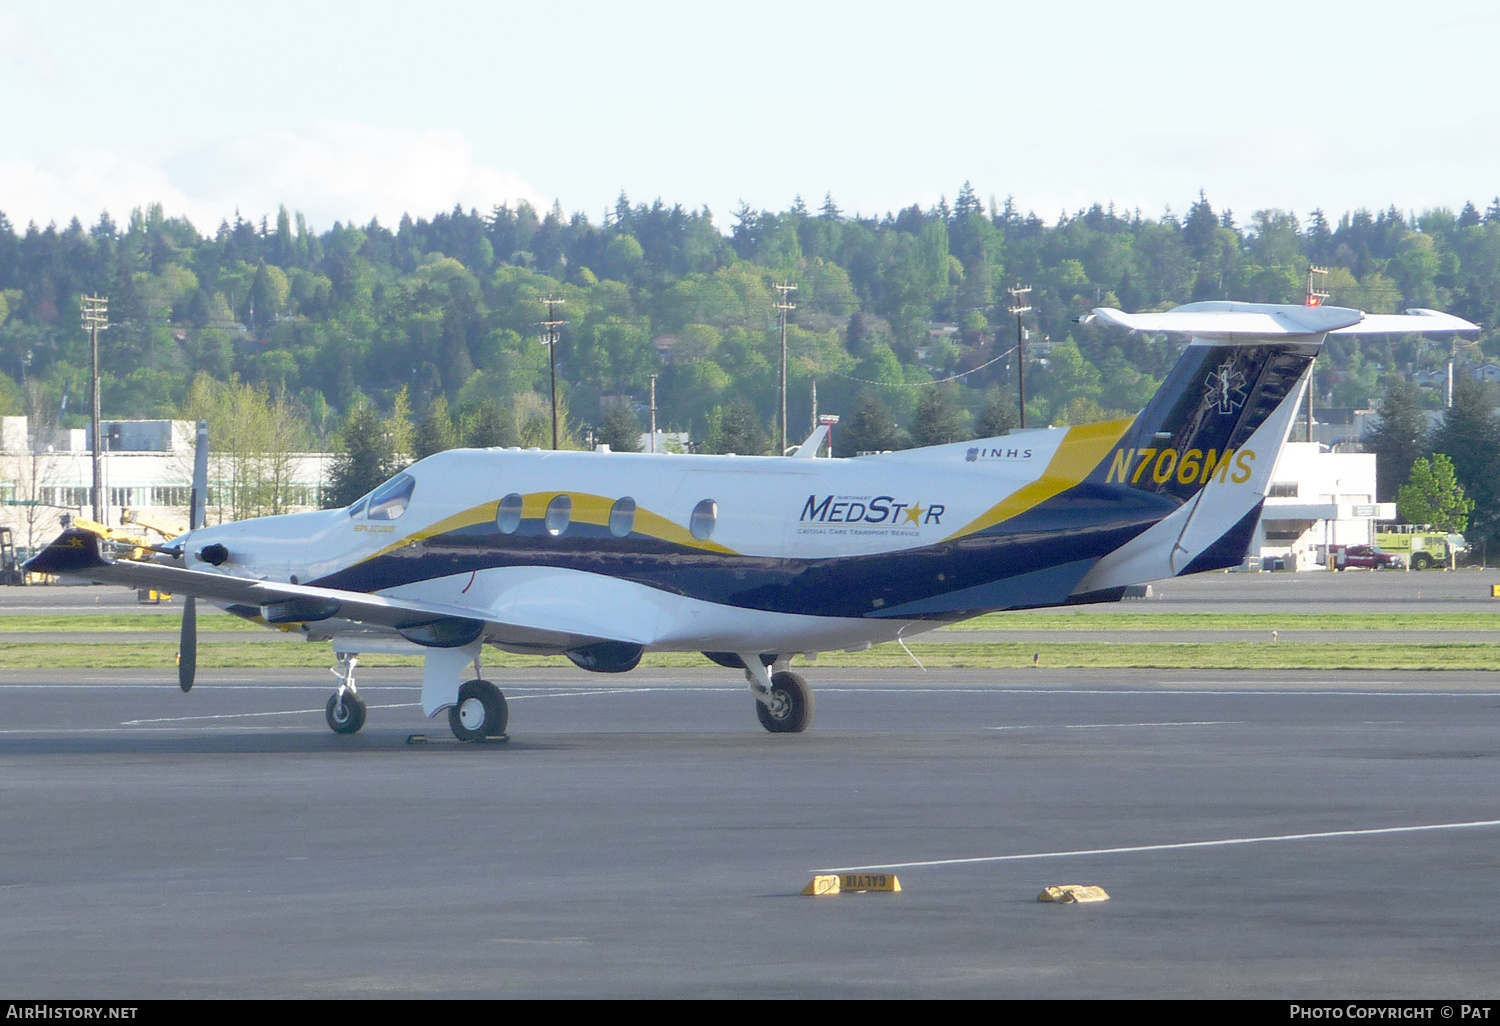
75, 551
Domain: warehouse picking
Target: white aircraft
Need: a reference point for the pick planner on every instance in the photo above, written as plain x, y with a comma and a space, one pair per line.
751, 560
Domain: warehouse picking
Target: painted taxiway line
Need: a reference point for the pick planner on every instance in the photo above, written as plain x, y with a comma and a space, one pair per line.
1222, 843
1097, 726
249, 715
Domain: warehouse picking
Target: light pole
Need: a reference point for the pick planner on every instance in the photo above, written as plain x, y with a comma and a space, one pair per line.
95, 320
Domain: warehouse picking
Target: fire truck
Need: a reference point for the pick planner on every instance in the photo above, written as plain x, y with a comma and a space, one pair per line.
1421, 547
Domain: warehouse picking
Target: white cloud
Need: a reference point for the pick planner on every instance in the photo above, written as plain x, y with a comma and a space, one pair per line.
329, 171
23, 47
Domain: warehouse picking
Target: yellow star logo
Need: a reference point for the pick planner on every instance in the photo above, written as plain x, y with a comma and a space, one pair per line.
75, 543
914, 515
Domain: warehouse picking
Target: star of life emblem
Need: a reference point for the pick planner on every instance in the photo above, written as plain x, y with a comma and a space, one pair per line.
1226, 388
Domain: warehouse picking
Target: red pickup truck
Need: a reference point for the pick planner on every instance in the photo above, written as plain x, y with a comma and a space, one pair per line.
1366, 557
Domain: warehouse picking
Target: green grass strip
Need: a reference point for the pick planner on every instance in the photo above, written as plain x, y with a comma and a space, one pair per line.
1101, 621
1005, 655
1020, 621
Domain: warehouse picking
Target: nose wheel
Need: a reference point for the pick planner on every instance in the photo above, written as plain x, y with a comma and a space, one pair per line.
345, 712
480, 712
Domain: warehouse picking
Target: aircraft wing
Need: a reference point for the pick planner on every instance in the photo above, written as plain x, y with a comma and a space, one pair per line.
78, 553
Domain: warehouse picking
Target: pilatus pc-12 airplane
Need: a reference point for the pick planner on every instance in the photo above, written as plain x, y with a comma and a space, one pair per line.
751, 560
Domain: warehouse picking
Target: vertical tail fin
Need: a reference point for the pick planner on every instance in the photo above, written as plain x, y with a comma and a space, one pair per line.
1211, 435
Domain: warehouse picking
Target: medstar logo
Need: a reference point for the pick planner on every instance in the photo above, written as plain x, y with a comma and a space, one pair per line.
1226, 388
972, 454
863, 509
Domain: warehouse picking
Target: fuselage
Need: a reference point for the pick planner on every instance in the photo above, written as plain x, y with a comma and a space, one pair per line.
861, 549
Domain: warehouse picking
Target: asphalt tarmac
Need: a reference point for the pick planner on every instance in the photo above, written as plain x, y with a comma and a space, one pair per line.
1262, 835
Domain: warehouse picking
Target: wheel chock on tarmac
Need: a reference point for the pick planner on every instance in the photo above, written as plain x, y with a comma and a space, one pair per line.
423, 739
1072, 894
827, 885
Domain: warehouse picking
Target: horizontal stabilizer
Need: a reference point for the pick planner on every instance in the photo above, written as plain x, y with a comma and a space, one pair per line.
1417, 320
1223, 320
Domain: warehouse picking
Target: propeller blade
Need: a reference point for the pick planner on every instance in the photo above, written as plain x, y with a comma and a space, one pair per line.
187, 650
200, 479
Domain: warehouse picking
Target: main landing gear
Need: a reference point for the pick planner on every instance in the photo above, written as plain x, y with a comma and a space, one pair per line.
481, 712
783, 701
346, 710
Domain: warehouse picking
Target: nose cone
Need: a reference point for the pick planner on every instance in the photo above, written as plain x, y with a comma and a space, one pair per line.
271, 548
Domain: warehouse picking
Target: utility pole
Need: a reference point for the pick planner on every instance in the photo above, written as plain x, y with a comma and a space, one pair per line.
1018, 307
783, 306
1315, 297
1452, 356
653, 413
96, 319
552, 324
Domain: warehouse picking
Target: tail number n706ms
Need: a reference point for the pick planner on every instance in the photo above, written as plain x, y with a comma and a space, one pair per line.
1191, 467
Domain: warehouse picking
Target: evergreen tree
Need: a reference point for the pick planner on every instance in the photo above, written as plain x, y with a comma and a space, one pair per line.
939, 418
999, 415
488, 425
620, 428
1399, 438
736, 428
871, 428
368, 458
437, 432
1470, 435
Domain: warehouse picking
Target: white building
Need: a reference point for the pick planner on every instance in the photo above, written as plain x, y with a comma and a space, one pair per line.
1317, 498
146, 466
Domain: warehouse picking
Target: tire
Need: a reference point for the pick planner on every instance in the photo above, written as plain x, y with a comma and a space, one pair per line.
481, 712
1421, 561
792, 706
349, 718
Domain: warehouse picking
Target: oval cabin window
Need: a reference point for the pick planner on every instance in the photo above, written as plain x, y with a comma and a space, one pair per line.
508, 516
622, 517
559, 513
705, 516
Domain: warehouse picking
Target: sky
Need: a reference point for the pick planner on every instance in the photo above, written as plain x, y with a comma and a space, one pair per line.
348, 111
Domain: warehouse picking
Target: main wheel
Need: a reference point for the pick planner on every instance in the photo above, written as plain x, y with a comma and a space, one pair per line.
481, 712
791, 708
1421, 561
345, 717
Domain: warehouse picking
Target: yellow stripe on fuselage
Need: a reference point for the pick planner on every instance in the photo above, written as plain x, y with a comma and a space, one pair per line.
587, 509
1080, 452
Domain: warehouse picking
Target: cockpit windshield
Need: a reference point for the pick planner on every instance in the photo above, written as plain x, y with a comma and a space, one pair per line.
388, 501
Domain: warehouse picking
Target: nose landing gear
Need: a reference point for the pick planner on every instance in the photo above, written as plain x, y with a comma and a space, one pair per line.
345, 712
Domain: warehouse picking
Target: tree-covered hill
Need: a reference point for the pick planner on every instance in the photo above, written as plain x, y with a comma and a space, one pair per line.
884, 307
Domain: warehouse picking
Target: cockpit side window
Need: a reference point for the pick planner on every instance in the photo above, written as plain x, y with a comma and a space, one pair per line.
390, 500
358, 509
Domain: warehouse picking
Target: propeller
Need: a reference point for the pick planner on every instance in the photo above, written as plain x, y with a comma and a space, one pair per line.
187, 651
